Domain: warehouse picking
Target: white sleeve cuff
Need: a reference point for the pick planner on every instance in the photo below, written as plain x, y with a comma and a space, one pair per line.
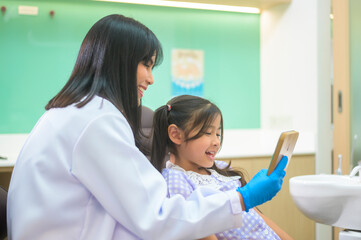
236, 207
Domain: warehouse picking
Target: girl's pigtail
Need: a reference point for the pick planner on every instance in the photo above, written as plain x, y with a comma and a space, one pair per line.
160, 138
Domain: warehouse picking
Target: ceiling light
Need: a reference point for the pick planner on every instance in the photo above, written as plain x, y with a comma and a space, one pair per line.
192, 5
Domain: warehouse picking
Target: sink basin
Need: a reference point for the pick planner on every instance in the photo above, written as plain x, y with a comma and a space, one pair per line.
329, 199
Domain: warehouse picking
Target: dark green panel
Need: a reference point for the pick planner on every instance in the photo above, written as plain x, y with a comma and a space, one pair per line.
38, 53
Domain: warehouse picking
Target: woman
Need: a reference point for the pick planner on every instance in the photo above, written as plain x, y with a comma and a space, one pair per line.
81, 174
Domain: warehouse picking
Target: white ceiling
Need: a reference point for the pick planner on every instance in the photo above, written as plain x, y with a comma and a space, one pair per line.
262, 4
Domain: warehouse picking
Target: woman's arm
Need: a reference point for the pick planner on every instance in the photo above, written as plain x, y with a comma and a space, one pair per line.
279, 231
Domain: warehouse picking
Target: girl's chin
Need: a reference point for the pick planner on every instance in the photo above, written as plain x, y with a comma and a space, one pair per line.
209, 165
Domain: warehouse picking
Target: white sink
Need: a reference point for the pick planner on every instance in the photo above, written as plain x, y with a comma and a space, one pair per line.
329, 199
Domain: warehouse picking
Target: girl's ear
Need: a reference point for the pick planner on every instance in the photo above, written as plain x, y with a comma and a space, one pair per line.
175, 134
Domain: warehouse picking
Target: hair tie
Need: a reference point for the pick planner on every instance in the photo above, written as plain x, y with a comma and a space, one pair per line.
169, 107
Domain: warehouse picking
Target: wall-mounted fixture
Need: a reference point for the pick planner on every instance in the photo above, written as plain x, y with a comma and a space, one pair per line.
28, 10
205, 6
3, 9
52, 13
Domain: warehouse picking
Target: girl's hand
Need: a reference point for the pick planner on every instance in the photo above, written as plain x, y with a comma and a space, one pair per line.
212, 237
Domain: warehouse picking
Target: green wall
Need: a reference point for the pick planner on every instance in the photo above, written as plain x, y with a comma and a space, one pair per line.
355, 74
37, 54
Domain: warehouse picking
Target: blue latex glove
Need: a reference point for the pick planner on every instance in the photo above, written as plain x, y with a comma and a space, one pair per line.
263, 188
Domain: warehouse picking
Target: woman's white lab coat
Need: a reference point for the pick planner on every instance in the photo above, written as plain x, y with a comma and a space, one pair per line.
80, 176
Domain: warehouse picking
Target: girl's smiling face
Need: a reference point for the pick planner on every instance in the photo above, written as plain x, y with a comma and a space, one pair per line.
197, 154
144, 77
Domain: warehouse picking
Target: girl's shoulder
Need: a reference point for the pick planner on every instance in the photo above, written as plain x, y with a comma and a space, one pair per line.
221, 164
178, 182
174, 172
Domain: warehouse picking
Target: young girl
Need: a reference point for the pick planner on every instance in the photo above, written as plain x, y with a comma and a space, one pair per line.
191, 129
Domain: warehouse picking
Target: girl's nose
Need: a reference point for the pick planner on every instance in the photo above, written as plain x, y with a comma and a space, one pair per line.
216, 141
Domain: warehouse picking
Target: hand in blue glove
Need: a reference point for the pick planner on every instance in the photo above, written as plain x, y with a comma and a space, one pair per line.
263, 188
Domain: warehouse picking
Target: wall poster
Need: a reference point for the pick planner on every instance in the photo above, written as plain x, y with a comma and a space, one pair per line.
187, 72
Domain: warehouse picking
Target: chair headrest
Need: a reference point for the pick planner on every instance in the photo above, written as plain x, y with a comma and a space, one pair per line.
146, 125
147, 117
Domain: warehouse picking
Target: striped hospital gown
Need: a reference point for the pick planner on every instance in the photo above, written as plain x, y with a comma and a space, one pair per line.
184, 182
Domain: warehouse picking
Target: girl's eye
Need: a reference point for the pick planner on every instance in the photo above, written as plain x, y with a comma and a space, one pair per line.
208, 133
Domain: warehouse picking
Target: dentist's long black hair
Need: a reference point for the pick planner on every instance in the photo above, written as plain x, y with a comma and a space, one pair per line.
187, 113
107, 66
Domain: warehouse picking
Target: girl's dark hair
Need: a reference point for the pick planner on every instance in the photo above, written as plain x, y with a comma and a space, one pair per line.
187, 113
107, 66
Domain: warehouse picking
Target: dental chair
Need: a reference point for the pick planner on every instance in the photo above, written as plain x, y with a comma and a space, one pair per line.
3, 201
146, 125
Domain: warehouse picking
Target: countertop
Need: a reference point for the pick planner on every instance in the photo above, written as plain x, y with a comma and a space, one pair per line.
236, 144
